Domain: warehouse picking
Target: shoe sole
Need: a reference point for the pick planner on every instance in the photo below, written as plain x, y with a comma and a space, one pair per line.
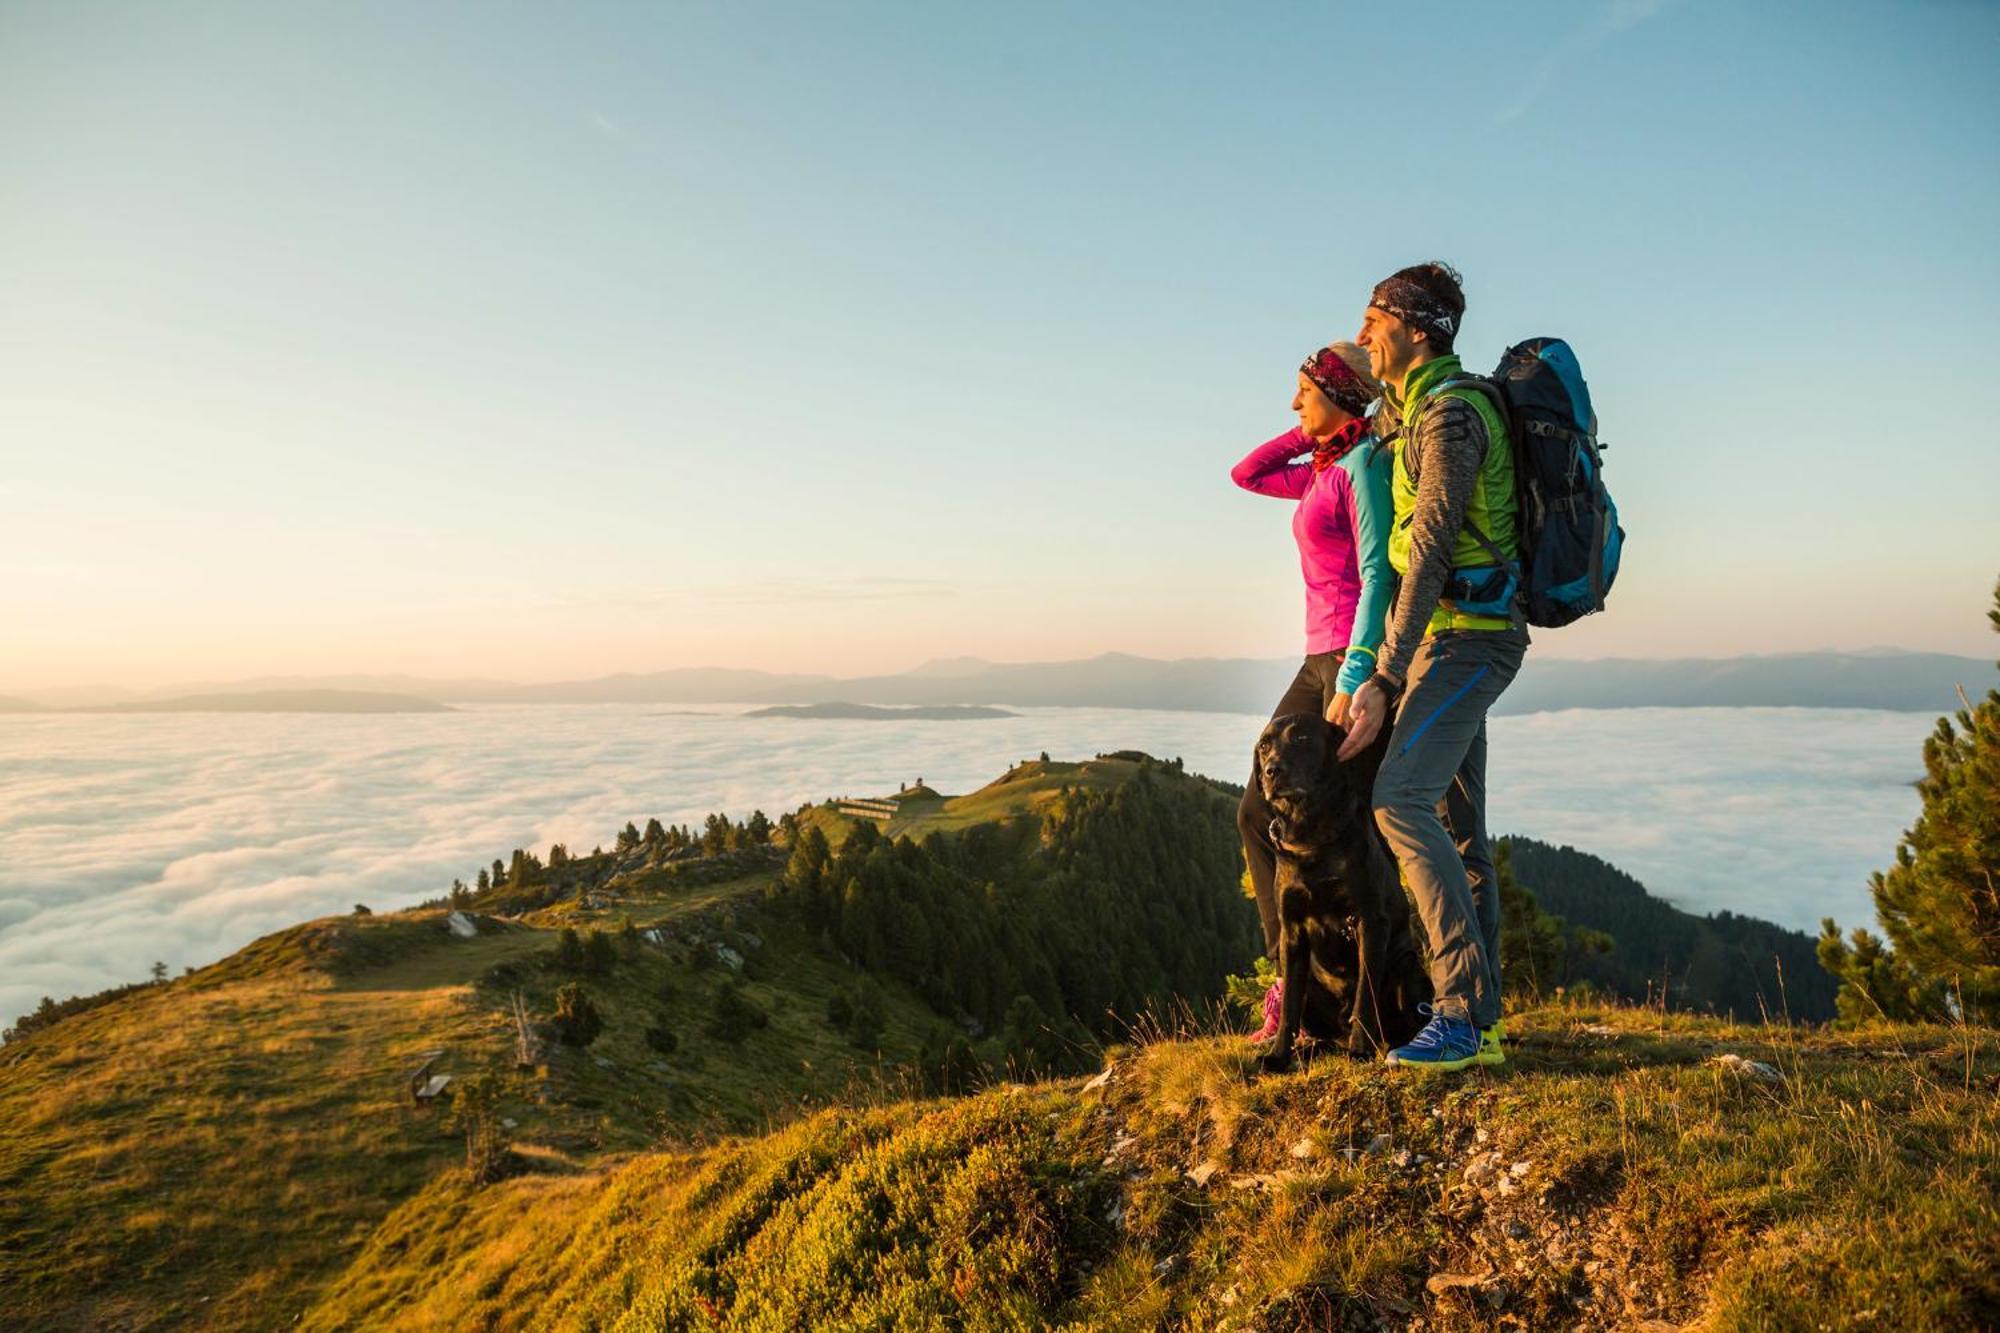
1490, 1058
1441, 1066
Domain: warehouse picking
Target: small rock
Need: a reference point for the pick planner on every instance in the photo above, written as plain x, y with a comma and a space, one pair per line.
1517, 1229
508, 1122
1168, 1266
1756, 1069
602, 1063
1099, 1081
1378, 1145
1302, 1150
1480, 1135
461, 925
1601, 1030
1519, 1169
1437, 1284
1201, 1175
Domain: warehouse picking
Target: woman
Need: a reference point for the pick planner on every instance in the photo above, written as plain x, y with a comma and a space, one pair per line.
1342, 526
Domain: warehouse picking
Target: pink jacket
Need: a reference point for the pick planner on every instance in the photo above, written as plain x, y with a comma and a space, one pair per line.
1329, 516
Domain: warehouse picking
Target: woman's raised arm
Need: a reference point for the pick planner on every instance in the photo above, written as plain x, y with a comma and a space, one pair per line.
1269, 470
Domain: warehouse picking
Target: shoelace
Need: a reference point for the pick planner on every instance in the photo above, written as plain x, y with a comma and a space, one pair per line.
1435, 1033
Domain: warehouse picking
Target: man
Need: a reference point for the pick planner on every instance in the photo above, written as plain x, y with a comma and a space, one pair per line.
1454, 642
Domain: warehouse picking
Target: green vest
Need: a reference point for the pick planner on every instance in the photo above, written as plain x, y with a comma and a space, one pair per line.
1492, 508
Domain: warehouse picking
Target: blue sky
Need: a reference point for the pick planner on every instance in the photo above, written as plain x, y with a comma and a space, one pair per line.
541, 341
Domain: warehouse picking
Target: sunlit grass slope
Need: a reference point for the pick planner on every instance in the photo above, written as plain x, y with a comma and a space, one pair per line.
208, 1150
1613, 1173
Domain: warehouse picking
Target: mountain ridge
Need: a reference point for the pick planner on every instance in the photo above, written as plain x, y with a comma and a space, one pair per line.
1874, 678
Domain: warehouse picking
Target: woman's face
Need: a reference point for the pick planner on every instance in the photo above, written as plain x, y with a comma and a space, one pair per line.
1318, 417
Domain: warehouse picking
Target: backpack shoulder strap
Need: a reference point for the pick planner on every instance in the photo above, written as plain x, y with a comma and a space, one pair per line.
1485, 387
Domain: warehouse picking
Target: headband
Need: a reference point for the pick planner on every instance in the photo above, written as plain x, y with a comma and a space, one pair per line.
1350, 392
1415, 306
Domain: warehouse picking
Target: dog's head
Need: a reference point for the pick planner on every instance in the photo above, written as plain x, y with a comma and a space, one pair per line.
1299, 773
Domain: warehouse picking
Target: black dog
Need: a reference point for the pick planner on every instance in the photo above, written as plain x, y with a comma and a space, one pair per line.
1346, 952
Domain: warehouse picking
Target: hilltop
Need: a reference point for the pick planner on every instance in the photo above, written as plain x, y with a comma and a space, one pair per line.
1625, 1170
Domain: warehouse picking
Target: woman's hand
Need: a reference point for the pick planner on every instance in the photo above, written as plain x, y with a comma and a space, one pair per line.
1338, 711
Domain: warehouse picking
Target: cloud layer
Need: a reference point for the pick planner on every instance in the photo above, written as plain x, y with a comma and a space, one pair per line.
181, 838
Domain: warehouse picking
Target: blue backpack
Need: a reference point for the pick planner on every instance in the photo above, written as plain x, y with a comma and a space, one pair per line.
1568, 528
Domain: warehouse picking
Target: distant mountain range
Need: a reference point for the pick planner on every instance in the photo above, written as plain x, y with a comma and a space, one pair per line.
253, 701
870, 713
1915, 682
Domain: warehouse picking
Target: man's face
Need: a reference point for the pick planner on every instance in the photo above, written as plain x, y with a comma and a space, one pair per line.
1393, 346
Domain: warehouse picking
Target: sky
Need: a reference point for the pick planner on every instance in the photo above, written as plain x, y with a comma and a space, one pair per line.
539, 342
128, 840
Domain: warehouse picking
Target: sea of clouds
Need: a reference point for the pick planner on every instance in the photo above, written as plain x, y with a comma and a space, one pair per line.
180, 838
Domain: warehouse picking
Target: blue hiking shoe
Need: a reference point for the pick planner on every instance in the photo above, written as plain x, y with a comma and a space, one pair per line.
1448, 1041
1490, 1045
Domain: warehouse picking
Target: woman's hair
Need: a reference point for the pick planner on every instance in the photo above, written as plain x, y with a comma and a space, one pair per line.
1439, 283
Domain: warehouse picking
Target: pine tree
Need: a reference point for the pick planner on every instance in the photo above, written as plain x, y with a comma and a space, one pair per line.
715, 835
475, 1109
599, 953
628, 837
484, 882
1939, 905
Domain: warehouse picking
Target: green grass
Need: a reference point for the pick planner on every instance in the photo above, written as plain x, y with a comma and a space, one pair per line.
214, 1149
1600, 1179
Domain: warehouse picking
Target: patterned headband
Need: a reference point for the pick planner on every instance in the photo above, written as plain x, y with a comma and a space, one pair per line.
1350, 392
1414, 306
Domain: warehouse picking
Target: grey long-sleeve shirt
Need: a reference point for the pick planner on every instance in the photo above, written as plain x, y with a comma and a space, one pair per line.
1443, 459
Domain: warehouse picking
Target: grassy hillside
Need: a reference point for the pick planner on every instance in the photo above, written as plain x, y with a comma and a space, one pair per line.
155, 1131
1616, 1172
237, 1148
149, 1139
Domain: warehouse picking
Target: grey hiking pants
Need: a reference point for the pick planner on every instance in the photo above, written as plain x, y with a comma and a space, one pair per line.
1430, 803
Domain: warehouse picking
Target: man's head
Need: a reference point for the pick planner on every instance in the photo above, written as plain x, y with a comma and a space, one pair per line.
1413, 316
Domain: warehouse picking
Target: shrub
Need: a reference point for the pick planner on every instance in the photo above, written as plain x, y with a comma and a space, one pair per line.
576, 1022
569, 957
599, 953
734, 1016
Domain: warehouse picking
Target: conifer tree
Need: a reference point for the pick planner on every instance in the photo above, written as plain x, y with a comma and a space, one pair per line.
599, 954
569, 951
1939, 905
475, 1109
656, 833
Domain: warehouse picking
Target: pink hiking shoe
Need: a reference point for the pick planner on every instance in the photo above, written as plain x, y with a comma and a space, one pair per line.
1274, 1007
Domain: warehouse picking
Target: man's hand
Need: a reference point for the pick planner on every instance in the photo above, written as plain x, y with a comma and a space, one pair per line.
1339, 709
1364, 720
